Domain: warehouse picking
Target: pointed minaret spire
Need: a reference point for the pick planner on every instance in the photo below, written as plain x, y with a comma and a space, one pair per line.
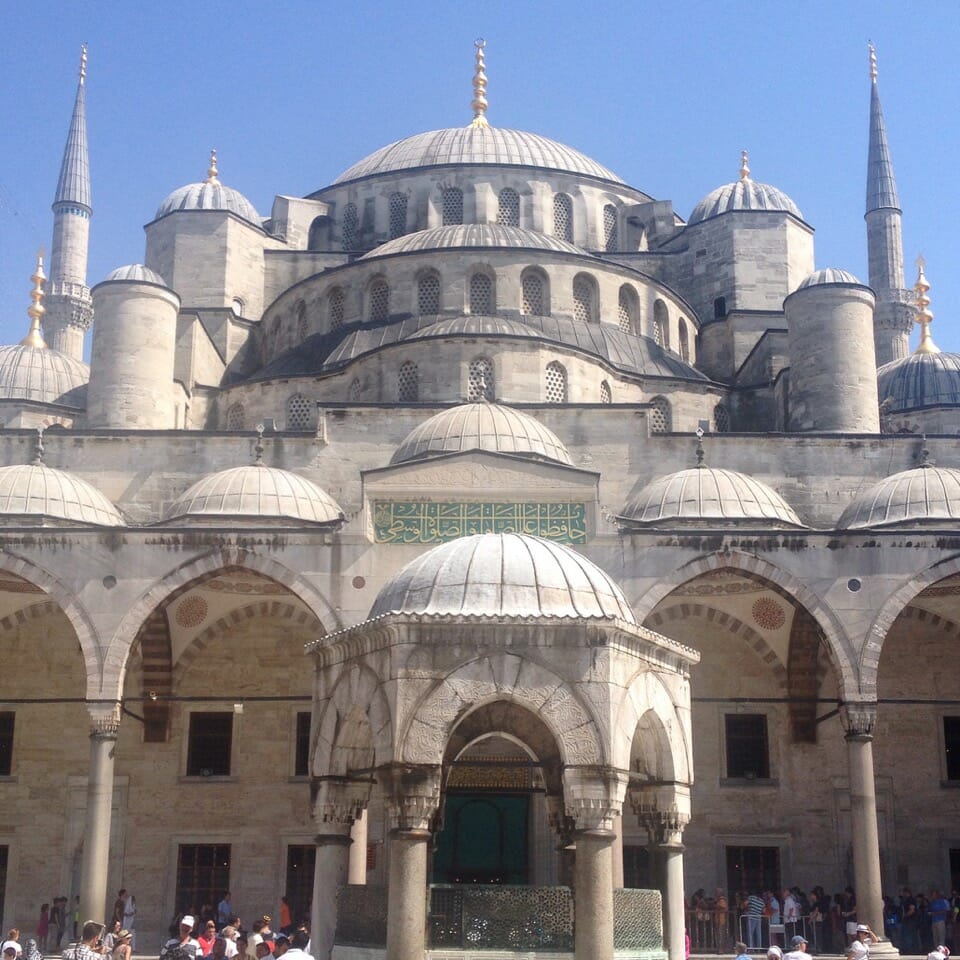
36, 309
69, 307
479, 102
893, 315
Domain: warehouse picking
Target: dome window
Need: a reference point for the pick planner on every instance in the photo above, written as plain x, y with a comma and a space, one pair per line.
398, 215
684, 339
481, 294
236, 305
480, 382
584, 299
721, 419
661, 420
533, 300
236, 418
563, 217
605, 395
335, 308
627, 309
661, 325
452, 206
428, 294
555, 383
355, 390
611, 240
351, 227
408, 383
379, 300
299, 413
508, 211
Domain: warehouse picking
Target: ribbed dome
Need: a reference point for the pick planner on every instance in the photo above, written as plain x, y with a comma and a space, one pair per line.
920, 380
42, 375
473, 235
481, 426
705, 493
136, 272
476, 145
924, 493
36, 490
209, 196
502, 574
259, 493
828, 275
743, 194
474, 325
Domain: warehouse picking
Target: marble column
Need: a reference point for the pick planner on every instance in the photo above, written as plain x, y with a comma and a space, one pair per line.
671, 850
618, 853
593, 895
95, 859
329, 875
357, 868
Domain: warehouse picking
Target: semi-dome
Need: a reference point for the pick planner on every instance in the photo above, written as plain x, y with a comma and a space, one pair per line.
502, 574
918, 381
135, 272
743, 194
42, 375
256, 492
827, 276
473, 235
39, 492
209, 194
707, 493
481, 426
476, 145
921, 494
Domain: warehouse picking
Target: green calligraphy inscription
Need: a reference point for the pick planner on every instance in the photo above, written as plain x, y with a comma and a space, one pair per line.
418, 521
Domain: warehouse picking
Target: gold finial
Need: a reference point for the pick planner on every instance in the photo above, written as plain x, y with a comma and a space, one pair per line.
38, 448
36, 309
700, 453
873, 62
258, 447
479, 102
924, 314
744, 167
212, 171
83, 63
924, 459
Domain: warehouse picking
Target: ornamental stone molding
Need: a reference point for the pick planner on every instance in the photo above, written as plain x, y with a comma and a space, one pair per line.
339, 800
412, 794
104, 720
593, 796
859, 719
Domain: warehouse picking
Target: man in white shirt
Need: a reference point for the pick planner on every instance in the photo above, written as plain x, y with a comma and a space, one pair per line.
791, 914
859, 949
798, 949
298, 948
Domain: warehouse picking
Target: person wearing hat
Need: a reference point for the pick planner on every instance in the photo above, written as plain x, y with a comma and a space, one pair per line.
184, 946
939, 953
859, 949
122, 945
798, 949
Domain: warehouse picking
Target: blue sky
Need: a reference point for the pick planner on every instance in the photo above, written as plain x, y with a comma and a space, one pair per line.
665, 94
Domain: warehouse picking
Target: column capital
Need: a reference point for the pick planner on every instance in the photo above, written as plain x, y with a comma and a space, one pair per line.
338, 801
664, 810
859, 719
412, 794
593, 796
104, 720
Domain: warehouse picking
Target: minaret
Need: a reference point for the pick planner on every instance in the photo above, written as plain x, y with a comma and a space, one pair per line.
69, 307
893, 316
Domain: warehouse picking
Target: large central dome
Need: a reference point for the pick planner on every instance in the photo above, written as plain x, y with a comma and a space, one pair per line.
476, 145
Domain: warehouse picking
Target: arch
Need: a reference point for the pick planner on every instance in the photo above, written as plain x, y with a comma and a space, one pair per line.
350, 227
408, 383
555, 383
661, 416
605, 394
683, 339
563, 216
508, 207
378, 297
335, 308
661, 324
318, 236
483, 293
584, 298
398, 214
422, 736
628, 309
300, 411
611, 233
451, 206
480, 383
186, 576
428, 292
534, 293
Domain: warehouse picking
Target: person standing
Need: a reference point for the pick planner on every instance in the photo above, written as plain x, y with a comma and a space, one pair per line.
130, 919
224, 910
940, 910
754, 920
43, 927
90, 946
798, 949
909, 922
791, 914
183, 946
863, 938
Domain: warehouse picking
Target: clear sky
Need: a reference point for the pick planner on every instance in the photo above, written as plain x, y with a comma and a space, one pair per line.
666, 94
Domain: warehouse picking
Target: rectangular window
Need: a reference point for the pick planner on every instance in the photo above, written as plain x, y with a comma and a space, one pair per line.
951, 746
747, 754
301, 764
301, 859
203, 873
638, 867
6, 742
753, 868
208, 749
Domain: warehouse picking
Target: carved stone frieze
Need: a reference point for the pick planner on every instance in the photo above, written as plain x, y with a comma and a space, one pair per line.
412, 794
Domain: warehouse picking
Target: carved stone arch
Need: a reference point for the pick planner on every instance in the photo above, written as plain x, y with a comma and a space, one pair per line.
356, 685
73, 610
189, 575
422, 736
926, 617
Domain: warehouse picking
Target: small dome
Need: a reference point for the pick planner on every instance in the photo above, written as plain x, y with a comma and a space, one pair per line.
922, 494
502, 574
705, 493
257, 492
744, 194
209, 196
36, 490
42, 375
481, 426
828, 275
473, 235
463, 146
920, 380
136, 272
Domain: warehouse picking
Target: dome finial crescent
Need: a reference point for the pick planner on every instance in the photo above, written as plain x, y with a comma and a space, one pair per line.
744, 167
36, 309
212, 172
924, 314
258, 447
479, 102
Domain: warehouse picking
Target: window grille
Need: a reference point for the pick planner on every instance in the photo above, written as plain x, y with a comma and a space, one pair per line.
480, 383
532, 292
721, 419
301, 761
354, 392
610, 238
335, 308
555, 383
299, 412
408, 383
661, 329
563, 217
428, 294
481, 294
203, 872
627, 310
508, 212
398, 215
236, 420
605, 395
452, 204
660, 419
379, 300
684, 339
351, 233
582, 299
748, 755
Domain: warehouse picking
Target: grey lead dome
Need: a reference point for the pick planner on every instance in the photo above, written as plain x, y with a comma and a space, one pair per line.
502, 574
40, 492
209, 196
474, 235
923, 494
745, 194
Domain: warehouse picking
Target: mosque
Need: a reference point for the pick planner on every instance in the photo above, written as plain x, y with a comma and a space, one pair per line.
482, 532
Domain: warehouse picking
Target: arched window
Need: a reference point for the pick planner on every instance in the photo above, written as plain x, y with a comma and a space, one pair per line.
584, 298
351, 223
555, 383
721, 419
611, 240
480, 380
236, 418
335, 301
563, 216
661, 324
319, 236
408, 383
533, 299
628, 309
299, 412
379, 299
684, 339
605, 395
719, 308
398, 215
428, 294
482, 298
301, 312
661, 420
354, 392
508, 208
452, 205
